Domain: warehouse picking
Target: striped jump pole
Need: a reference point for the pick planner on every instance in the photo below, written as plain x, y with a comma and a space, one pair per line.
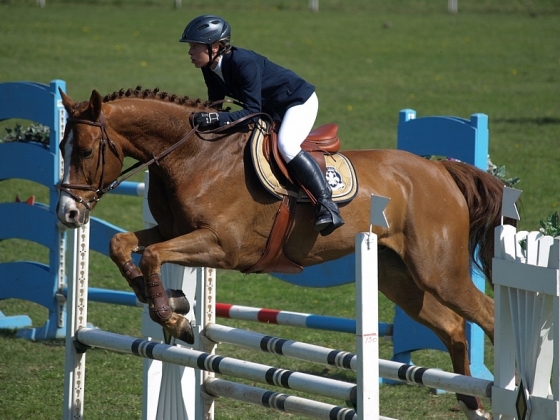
278, 401
281, 402
218, 364
281, 346
248, 313
294, 319
433, 378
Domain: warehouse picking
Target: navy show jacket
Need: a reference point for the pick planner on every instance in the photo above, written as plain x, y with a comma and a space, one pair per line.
257, 82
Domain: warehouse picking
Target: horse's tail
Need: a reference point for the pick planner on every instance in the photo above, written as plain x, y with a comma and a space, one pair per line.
483, 193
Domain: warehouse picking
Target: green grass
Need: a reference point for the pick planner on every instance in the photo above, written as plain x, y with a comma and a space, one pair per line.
367, 59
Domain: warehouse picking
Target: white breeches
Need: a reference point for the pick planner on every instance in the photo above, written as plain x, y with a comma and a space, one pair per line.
296, 125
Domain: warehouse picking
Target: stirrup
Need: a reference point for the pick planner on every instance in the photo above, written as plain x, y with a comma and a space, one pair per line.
328, 218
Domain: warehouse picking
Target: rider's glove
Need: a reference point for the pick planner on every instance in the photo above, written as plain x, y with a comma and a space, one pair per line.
206, 119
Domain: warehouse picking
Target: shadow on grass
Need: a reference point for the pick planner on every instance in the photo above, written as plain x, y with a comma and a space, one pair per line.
12, 334
529, 120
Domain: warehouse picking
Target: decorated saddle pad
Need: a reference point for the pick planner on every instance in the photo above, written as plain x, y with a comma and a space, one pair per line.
340, 173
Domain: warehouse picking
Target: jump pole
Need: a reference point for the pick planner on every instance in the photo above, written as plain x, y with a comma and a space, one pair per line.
433, 378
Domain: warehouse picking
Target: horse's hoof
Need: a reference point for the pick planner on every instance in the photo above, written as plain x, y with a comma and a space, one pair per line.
186, 331
477, 414
180, 327
178, 301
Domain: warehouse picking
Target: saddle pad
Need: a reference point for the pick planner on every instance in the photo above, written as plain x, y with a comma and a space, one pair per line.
340, 173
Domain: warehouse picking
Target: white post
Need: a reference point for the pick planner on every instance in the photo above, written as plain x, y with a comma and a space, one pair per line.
367, 327
314, 5
173, 391
367, 337
205, 314
452, 6
77, 300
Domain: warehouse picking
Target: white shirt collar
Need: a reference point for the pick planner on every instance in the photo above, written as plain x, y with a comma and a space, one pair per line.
218, 68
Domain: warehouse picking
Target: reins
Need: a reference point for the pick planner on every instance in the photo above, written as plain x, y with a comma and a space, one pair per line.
137, 167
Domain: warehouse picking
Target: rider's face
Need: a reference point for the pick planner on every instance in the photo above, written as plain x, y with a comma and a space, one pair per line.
199, 54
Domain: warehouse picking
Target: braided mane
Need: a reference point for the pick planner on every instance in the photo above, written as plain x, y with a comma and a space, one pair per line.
154, 94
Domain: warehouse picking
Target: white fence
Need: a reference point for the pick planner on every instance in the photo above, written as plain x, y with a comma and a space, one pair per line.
527, 320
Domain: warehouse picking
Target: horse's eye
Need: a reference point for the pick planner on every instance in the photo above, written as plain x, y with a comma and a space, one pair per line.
85, 153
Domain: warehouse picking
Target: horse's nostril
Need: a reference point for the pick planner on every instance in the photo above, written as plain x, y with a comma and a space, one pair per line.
72, 215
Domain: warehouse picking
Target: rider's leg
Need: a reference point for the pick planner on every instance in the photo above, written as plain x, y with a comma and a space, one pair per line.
295, 127
304, 167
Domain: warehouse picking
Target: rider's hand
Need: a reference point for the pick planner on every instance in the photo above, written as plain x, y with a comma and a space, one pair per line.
206, 119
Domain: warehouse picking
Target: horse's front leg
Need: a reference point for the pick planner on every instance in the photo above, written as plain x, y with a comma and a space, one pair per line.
197, 249
121, 248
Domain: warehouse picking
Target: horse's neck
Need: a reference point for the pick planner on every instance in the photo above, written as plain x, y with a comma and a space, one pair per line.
148, 128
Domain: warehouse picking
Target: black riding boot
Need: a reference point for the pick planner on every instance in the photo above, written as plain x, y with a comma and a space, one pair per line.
306, 170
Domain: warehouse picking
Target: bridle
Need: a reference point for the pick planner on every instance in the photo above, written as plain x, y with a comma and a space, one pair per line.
106, 142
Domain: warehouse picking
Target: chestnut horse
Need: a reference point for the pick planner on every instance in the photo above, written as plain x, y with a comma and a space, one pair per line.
212, 211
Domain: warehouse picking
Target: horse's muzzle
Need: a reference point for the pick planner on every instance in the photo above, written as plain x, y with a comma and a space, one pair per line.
70, 213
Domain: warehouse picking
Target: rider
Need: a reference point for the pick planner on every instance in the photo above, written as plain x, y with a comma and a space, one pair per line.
261, 86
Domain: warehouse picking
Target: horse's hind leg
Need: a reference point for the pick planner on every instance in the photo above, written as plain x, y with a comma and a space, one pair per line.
450, 328
396, 283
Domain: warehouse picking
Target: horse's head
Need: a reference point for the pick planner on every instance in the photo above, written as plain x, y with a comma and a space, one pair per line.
91, 160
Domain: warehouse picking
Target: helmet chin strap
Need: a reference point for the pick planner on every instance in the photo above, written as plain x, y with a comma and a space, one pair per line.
213, 59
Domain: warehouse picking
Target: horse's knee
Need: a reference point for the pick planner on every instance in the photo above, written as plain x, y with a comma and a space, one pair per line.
150, 262
117, 248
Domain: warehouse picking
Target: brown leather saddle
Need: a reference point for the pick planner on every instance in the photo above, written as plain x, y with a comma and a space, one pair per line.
323, 144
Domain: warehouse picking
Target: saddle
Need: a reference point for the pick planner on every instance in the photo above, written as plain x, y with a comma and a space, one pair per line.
322, 144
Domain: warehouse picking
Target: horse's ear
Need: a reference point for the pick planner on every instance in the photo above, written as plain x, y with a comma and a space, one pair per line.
95, 102
66, 101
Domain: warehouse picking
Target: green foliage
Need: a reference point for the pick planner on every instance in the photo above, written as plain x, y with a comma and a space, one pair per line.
500, 173
551, 225
35, 132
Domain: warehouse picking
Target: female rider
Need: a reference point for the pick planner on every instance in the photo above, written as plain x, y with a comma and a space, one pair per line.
261, 86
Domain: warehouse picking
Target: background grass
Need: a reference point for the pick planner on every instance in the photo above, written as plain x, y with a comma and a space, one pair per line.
368, 59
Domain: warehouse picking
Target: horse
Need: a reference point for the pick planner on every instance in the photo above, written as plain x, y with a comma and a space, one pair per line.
212, 211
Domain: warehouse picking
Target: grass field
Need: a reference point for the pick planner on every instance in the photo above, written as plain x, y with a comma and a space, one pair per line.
367, 59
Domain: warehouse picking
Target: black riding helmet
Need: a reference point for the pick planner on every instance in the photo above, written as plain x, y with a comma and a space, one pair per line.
208, 29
